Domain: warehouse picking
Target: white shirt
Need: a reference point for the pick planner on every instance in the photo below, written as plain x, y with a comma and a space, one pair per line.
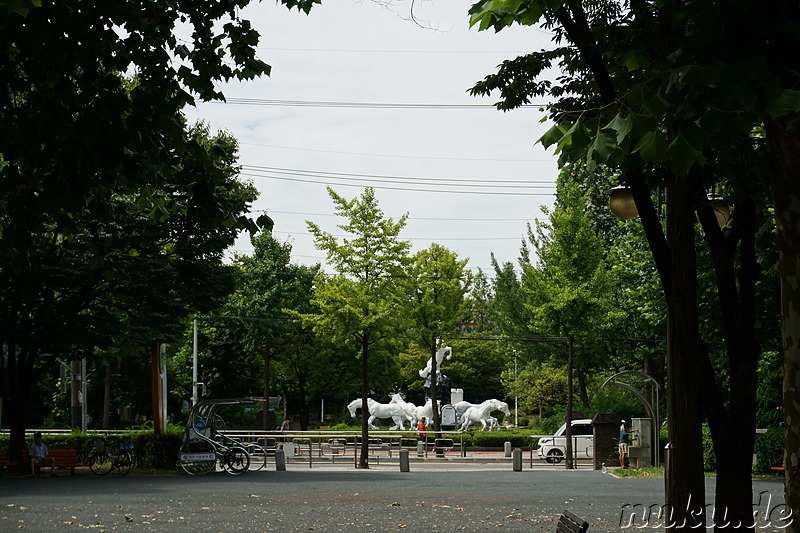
38, 450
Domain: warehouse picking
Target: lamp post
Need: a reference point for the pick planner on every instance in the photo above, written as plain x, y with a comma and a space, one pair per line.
516, 392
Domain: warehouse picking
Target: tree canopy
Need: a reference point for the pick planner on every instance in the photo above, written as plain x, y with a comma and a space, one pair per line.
695, 98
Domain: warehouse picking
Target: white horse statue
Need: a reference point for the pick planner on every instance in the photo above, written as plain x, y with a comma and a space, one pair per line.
462, 406
482, 413
408, 407
415, 412
381, 410
440, 355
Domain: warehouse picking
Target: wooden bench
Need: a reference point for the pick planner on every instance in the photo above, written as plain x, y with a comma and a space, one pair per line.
4, 462
4, 459
64, 459
569, 523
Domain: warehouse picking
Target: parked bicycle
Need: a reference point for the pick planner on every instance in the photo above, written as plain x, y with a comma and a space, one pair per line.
102, 460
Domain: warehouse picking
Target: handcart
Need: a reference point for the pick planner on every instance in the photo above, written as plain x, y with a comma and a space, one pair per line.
205, 446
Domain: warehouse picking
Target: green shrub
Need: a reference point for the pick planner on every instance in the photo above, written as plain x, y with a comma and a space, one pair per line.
709, 457
150, 451
497, 439
155, 451
769, 450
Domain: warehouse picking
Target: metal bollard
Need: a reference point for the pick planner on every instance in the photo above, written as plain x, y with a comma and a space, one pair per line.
420, 449
280, 460
507, 449
404, 463
516, 460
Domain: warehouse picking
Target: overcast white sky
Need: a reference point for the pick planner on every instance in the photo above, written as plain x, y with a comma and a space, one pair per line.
362, 53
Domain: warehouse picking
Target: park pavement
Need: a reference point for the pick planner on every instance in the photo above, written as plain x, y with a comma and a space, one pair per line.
429, 498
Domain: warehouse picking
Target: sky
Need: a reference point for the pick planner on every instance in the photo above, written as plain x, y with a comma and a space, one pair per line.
469, 176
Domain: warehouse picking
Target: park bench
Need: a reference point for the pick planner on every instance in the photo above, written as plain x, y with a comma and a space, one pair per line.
64, 459
4, 462
569, 523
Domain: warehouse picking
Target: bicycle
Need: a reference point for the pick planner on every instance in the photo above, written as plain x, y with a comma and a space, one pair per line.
102, 461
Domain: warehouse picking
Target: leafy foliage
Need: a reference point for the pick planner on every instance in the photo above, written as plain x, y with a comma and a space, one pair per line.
108, 201
769, 450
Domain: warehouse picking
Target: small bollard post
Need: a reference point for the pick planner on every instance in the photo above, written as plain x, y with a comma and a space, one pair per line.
420, 449
507, 449
280, 460
404, 461
516, 460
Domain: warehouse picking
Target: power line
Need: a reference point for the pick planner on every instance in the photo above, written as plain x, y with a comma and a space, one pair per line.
527, 184
406, 188
409, 218
355, 105
404, 156
373, 51
342, 179
417, 238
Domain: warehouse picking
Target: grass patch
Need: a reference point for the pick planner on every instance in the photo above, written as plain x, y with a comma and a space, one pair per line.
651, 472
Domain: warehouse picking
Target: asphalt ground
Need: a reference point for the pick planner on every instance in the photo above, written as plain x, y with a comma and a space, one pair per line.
429, 498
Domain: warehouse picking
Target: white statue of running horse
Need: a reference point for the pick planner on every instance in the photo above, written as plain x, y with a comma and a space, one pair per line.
482, 413
381, 410
415, 412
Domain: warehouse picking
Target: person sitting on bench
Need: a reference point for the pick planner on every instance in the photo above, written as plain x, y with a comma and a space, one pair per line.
40, 455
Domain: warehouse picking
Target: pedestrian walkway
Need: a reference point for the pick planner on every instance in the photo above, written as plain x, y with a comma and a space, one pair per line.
377, 500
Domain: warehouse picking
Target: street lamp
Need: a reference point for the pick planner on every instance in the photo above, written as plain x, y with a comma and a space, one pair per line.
622, 204
620, 200
516, 392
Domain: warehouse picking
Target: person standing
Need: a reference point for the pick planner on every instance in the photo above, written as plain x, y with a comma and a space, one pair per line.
421, 426
40, 455
623, 444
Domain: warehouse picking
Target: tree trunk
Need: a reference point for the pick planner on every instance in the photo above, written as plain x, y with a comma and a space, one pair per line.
437, 421
733, 428
266, 354
363, 460
107, 397
685, 483
75, 394
155, 383
733, 504
784, 150
304, 405
583, 388
19, 372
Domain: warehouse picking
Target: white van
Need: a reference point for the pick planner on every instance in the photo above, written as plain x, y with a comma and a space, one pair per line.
552, 449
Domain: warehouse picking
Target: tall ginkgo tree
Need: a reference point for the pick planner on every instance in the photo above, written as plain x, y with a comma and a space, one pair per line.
435, 298
357, 305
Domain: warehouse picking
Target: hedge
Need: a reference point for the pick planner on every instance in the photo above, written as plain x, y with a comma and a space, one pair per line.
769, 450
150, 451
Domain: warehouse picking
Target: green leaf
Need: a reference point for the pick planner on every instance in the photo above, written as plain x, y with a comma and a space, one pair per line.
636, 59
621, 125
681, 154
787, 102
552, 136
652, 147
603, 145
